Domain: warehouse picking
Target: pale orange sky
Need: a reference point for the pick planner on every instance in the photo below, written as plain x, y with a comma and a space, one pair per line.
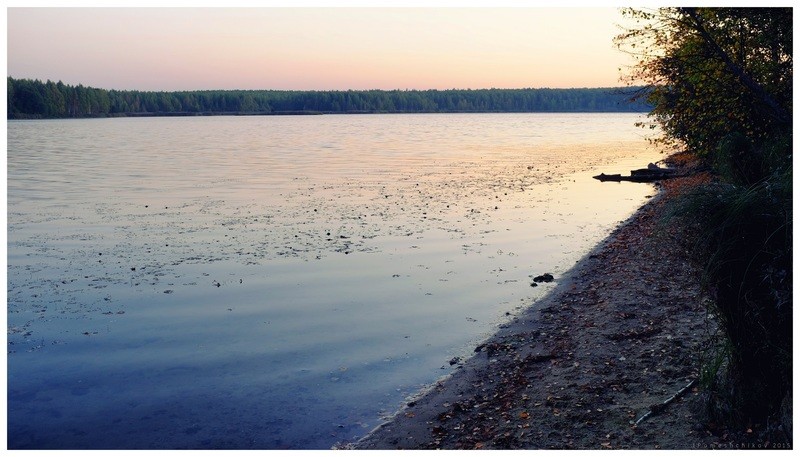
316, 48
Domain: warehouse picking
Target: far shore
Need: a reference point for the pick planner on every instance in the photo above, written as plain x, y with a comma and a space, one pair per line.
300, 113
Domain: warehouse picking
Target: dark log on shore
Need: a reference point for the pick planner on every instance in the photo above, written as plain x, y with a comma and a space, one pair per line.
650, 174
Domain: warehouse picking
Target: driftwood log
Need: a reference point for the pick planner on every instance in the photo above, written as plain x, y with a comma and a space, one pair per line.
650, 174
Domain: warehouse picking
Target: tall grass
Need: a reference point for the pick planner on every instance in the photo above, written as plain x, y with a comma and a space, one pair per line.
743, 228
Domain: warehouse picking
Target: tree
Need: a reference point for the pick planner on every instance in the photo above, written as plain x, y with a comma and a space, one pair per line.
10, 97
720, 81
713, 71
28, 98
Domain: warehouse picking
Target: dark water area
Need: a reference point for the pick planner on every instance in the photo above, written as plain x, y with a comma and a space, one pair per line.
281, 282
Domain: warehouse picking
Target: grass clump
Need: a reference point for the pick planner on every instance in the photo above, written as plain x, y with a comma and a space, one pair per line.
742, 222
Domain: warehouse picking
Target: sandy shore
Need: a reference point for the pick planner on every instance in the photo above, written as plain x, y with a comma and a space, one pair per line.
622, 331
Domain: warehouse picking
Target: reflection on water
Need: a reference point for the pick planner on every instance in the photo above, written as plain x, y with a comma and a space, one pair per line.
280, 282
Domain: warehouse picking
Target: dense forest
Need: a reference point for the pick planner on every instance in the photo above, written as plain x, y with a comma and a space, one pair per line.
720, 81
34, 99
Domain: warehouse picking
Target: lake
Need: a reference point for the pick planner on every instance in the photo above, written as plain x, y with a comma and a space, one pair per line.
281, 282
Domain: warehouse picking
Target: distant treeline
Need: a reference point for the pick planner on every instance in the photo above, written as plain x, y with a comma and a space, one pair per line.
34, 99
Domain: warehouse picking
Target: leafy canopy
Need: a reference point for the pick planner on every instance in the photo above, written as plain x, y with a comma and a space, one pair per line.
713, 71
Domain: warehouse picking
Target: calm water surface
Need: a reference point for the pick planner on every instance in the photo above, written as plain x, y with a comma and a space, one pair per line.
281, 282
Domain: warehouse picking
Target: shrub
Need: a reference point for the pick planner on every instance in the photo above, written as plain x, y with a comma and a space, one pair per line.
744, 238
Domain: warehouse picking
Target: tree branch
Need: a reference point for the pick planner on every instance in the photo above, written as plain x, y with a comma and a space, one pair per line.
777, 111
659, 407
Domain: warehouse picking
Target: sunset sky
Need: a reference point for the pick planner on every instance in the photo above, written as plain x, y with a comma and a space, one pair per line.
316, 48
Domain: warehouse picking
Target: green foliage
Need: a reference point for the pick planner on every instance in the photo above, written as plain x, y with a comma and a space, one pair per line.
713, 71
736, 161
744, 237
720, 80
35, 99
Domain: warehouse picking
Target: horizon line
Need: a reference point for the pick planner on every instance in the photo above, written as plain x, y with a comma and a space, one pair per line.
45, 80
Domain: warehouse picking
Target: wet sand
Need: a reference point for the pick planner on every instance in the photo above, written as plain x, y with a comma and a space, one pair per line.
622, 331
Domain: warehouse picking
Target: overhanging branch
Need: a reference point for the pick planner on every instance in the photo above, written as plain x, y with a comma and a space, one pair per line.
778, 112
